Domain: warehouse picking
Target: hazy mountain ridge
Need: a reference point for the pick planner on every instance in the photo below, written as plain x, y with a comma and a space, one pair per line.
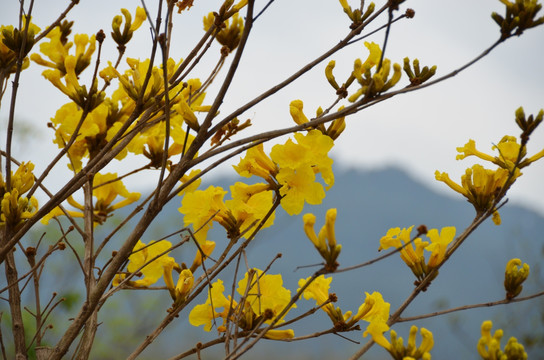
371, 202
368, 203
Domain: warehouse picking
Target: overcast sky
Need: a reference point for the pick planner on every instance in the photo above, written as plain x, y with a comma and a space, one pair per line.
418, 131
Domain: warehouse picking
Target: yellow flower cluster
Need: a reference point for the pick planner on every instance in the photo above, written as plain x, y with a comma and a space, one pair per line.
106, 189
249, 203
489, 346
514, 276
14, 207
412, 252
373, 310
335, 128
153, 262
11, 42
263, 298
483, 187
396, 346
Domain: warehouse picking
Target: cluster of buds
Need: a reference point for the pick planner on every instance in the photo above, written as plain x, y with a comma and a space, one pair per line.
14, 207
123, 37
229, 33
377, 83
13, 40
357, 16
520, 15
514, 276
399, 351
229, 130
325, 242
527, 124
416, 75
484, 188
335, 128
489, 346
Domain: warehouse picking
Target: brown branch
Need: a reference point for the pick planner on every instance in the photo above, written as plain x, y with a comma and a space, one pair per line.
472, 306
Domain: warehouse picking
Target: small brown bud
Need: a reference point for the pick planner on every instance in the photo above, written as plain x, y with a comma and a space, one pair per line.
333, 297
410, 13
30, 251
268, 314
100, 36
421, 230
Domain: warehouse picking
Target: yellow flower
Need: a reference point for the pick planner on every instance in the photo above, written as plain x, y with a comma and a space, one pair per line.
298, 163
413, 257
319, 291
207, 248
150, 142
265, 292
184, 285
100, 125
204, 314
201, 207
247, 210
14, 207
376, 330
481, 186
58, 52
122, 38
153, 269
295, 109
11, 42
256, 162
279, 334
439, 244
373, 309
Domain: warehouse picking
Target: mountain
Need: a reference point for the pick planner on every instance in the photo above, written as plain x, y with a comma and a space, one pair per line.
368, 203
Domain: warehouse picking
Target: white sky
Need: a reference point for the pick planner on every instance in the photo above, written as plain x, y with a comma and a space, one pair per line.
418, 131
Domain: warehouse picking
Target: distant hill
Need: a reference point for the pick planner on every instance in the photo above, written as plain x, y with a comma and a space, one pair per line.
369, 203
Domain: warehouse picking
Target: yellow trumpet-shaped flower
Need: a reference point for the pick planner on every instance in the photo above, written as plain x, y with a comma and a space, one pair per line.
58, 51
319, 291
481, 186
250, 204
325, 242
413, 257
206, 249
256, 162
123, 37
439, 244
374, 309
264, 292
295, 109
201, 207
204, 314
150, 261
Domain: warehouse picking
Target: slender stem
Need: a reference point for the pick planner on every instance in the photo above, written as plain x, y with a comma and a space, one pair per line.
471, 306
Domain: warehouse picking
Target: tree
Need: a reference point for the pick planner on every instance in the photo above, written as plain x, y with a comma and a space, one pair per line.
158, 111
